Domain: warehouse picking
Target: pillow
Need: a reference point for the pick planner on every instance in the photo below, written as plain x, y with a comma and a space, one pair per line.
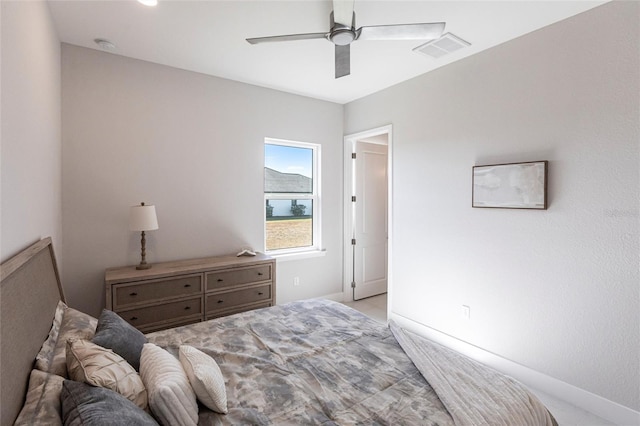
45, 356
115, 333
75, 324
97, 366
205, 378
87, 405
171, 398
42, 405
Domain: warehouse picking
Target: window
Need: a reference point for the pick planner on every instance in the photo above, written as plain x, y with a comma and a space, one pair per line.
292, 199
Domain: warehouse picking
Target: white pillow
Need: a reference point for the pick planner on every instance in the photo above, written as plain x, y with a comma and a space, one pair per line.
98, 366
171, 398
205, 378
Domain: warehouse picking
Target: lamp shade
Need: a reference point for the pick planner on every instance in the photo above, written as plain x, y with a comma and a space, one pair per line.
143, 218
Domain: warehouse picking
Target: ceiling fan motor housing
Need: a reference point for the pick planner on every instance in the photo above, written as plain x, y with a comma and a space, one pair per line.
340, 34
342, 37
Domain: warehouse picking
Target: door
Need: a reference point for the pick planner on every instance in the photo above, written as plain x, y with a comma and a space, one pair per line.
370, 220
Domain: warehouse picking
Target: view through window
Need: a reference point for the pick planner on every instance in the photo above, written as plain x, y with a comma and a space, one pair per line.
291, 195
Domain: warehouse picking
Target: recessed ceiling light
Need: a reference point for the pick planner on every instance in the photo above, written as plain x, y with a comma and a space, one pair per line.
105, 44
149, 2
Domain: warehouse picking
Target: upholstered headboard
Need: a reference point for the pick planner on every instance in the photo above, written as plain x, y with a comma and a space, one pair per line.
29, 292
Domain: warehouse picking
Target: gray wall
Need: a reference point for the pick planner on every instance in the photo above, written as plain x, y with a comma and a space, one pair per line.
555, 290
31, 198
192, 145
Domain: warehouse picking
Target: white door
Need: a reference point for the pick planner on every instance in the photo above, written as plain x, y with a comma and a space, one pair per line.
370, 220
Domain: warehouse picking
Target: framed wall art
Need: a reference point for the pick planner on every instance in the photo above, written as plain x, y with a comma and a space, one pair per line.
510, 186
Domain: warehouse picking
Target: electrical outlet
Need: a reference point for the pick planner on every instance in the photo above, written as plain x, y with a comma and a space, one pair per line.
296, 281
466, 312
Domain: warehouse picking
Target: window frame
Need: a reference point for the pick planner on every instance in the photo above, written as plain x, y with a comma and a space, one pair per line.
315, 198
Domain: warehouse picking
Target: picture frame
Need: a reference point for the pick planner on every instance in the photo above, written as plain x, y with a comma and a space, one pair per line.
510, 185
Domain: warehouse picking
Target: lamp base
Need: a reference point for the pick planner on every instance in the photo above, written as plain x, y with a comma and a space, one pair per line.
143, 266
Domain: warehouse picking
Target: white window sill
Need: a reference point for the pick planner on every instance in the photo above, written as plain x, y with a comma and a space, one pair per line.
298, 255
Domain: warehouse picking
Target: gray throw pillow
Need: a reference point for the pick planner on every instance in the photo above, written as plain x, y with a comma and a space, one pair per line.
124, 339
83, 404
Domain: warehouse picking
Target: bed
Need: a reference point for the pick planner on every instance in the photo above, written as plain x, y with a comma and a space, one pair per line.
307, 362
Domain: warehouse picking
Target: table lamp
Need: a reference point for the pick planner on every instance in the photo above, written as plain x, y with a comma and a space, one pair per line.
143, 218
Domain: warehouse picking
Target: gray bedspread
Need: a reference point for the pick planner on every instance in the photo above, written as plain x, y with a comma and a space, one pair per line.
311, 362
473, 393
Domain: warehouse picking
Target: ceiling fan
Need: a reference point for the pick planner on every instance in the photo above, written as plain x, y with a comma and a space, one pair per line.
343, 32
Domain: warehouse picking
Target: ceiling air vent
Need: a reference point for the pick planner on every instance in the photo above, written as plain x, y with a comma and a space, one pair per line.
446, 44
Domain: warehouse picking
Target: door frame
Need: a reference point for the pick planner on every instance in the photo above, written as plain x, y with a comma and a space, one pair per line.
349, 182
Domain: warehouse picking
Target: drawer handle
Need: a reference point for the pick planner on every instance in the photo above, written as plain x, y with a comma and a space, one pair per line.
133, 318
220, 301
260, 293
220, 280
133, 294
187, 285
260, 273
186, 308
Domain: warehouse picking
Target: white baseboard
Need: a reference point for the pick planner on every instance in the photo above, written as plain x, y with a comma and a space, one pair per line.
581, 398
336, 297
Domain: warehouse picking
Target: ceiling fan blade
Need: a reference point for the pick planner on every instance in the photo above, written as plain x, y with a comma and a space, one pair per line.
343, 12
343, 60
401, 32
290, 37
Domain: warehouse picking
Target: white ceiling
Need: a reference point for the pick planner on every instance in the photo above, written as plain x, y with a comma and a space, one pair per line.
209, 37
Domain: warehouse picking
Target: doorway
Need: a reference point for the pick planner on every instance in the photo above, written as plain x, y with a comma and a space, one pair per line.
367, 213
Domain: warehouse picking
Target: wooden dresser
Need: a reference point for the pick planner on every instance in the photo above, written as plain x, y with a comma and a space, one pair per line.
188, 291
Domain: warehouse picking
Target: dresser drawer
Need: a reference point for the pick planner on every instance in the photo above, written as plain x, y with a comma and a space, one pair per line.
222, 301
226, 278
125, 295
163, 313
